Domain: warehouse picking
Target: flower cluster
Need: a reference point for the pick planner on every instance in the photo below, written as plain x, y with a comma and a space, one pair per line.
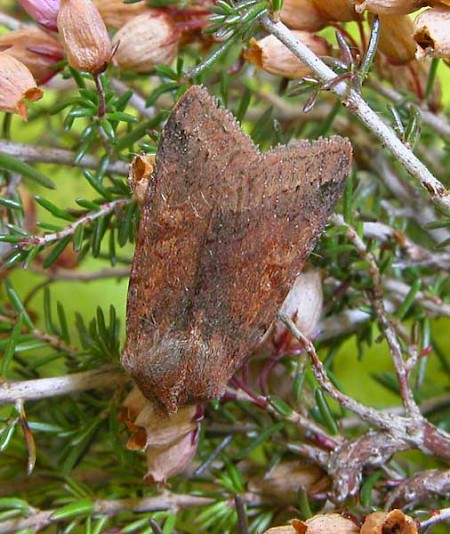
403, 42
79, 31
91, 34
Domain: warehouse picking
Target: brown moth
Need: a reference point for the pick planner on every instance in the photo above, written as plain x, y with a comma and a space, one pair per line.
225, 230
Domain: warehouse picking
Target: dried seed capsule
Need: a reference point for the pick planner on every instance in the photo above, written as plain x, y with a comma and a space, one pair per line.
396, 41
146, 41
272, 56
302, 15
140, 174
36, 49
388, 523
326, 523
319, 524
86, 40
170, 443
286, 478
431, 33
389, 7
16, 85
115, 13
338, 10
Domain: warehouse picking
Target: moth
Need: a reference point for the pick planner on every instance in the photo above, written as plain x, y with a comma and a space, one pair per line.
224, 231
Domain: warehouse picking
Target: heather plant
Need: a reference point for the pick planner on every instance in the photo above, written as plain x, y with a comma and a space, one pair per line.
346, 427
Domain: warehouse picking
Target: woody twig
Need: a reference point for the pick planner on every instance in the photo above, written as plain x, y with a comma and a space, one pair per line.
106, 208
357, 105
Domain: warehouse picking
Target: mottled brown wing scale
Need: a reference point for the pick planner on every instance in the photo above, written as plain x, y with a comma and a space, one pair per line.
261, 248
224, 232
191, 176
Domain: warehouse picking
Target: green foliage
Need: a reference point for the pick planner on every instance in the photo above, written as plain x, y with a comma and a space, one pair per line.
67, 229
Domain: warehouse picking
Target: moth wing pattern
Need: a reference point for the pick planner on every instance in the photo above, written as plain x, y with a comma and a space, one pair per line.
224, 232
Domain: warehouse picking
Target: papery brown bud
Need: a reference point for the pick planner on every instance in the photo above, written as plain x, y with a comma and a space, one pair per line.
141, 169
86, 40
115, 13
272, 56
146, 41
285, 529
395, 40
338, 10
302, 15
394, 522
319, 524
165, 431
16, 85
36, 49
163, 463
326, 524
432, 33
286, 480
170, 442
42, 11
389, 7
138, 413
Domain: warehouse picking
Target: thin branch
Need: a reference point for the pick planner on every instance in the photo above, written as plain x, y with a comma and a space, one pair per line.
427, 406
434, 121
355, 103
106, 208
405, 193
36, 154
341, 323
438, 517
61, 274
417, 431
304, 423
38, 519
55, 341
366, 413
389, 331
429, 302
418, 254
12, 23
43, 388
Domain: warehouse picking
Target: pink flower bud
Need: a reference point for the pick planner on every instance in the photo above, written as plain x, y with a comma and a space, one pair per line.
36, 49
16, 85
86, 40
146, 41
42, 11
